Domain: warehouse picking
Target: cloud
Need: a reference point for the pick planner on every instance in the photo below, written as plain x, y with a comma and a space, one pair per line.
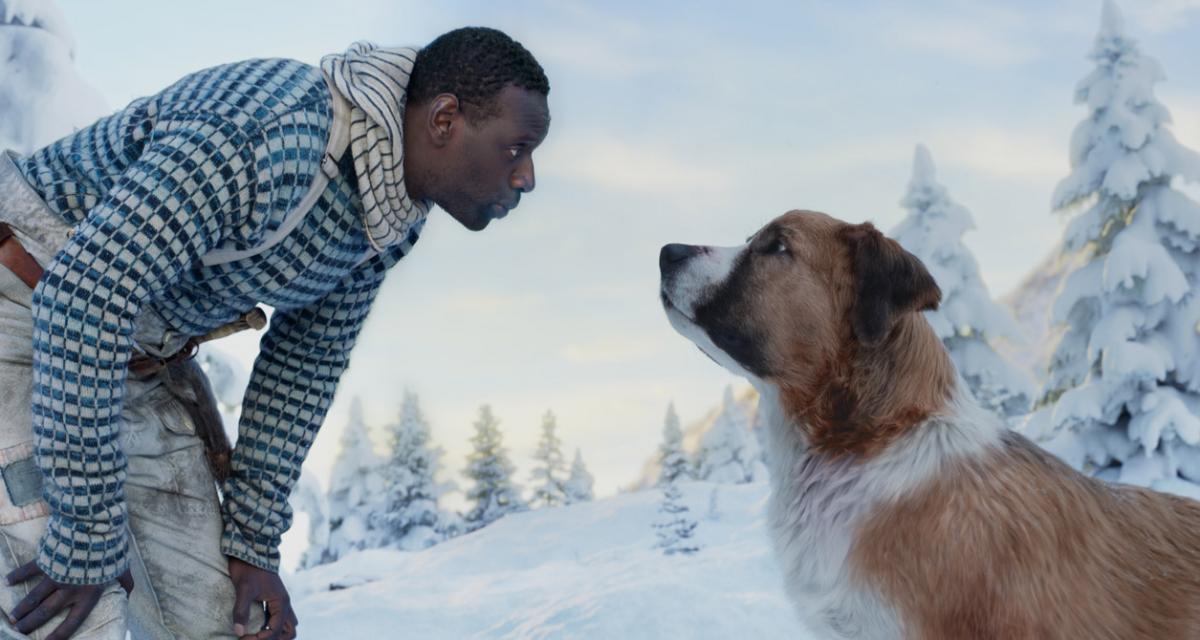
1003, 152
489, 303
1185, 118
628, 166
591, 53
979, 146
1163, 15
610, 350
976, 40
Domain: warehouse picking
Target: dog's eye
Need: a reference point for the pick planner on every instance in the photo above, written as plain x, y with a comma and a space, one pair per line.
775, 247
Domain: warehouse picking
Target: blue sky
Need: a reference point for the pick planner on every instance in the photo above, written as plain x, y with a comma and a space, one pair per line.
673, 122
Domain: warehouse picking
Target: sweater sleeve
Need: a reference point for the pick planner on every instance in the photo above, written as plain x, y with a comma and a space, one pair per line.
301, 358
161, 214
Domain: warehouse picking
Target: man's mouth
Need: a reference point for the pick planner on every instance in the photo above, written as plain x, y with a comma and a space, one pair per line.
501, 209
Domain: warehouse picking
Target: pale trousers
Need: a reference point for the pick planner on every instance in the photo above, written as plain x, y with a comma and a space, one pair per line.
182, 586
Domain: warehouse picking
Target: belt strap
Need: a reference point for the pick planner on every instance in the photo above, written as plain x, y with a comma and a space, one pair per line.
141, 365
17, 259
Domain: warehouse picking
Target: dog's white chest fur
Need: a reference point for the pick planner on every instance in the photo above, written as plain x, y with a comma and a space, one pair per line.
816, 506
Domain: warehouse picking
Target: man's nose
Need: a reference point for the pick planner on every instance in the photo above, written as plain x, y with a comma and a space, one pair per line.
673, 256
523, 179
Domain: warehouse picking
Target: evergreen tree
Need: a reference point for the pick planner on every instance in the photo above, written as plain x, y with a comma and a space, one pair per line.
549, 474
355, 488
758, 427
1126, 372
726, 453
673, 462
43, 97
309, 498
493, 493
675, 526
410, 517
579, 485
967, 318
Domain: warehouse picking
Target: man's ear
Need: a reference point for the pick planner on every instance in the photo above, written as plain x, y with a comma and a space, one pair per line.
444, 110
888, 282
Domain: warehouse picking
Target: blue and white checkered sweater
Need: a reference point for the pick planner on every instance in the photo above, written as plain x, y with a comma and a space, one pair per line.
217, 159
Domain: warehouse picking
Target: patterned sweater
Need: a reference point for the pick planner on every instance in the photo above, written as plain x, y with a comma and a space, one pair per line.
215, 160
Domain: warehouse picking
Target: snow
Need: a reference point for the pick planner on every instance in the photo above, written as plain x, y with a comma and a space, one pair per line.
1140, 261
308, 497
42, 97
673, 463
409, 516
1124, 369
356, 487
579, 485
728, 452
548, 476
967, 320
493, 493
587, 570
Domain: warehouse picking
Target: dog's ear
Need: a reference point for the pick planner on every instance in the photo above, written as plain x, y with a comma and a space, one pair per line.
888, 282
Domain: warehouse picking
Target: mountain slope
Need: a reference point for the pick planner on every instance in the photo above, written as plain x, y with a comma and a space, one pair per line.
583, 571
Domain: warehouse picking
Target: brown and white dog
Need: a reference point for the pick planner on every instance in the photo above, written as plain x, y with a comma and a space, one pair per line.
899, 508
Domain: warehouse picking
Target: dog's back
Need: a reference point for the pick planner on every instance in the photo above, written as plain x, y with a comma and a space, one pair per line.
1016, 544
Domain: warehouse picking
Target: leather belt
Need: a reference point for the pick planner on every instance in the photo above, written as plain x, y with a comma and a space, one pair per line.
141, 365
17, 259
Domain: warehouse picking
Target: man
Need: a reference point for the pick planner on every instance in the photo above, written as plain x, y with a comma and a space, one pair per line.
212, 166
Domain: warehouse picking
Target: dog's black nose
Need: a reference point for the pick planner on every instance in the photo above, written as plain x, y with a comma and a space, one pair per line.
673, 255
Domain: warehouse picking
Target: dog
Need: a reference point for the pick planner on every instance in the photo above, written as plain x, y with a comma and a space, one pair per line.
899, 507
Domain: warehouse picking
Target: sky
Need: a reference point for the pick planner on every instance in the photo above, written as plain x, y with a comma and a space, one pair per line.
672, 122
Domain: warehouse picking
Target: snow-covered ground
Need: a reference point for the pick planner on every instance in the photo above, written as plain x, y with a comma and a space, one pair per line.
587, 570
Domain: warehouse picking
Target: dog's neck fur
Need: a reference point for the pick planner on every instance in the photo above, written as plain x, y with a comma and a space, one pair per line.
819, 496
869, 396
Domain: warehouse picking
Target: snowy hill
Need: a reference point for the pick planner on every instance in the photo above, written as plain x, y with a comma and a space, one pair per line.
693, 433
1030, 303
583, 571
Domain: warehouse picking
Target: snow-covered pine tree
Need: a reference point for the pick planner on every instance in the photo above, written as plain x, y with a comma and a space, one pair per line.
758, 427
42, 95
579, 484
726, 453
410, 518
493, 493
1126, 373
355, 489
228, 378
308, 497
549, 473
673, 462
967, 318
674, 526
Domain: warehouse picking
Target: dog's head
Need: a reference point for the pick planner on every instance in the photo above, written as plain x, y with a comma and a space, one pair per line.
810, 305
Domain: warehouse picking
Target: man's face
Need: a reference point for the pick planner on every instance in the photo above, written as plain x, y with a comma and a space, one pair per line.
489, 164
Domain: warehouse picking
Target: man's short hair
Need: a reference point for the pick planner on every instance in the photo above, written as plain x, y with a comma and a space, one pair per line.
474, 64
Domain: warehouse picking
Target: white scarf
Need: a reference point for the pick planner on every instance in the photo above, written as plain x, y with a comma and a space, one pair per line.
373, 80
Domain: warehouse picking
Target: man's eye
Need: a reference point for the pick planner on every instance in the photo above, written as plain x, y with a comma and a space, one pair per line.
513, 152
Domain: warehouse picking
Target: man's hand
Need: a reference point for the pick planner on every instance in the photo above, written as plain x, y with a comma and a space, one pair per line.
254, 586
48, 598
